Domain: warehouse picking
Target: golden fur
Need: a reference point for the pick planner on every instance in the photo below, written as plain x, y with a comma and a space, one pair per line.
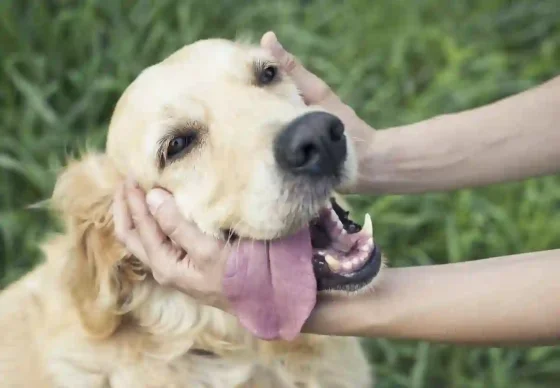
92, 316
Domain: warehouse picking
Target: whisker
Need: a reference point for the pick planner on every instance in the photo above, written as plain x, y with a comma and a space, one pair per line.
357, 139
238, 247
230, 235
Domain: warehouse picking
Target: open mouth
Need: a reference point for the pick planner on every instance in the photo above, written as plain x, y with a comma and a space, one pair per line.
272, 285
344, 254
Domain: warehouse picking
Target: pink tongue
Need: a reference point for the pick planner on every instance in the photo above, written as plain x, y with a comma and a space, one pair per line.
271, 285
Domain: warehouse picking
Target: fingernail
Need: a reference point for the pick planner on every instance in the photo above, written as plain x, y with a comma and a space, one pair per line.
154, 199
277, 44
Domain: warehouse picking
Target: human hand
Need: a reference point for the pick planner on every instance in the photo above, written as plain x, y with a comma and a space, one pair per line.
177, 252
212, 271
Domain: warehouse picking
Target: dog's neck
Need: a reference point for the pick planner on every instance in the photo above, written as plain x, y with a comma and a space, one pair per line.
179, 324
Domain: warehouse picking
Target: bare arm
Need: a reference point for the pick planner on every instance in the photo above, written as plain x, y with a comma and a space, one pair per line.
501, 301
512, 139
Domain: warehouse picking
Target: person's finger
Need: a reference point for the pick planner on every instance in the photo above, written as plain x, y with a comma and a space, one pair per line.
313, 88
124, 227
184, 233
154, 240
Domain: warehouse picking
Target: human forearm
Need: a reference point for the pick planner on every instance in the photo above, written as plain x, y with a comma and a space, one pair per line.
512, 139
502, 301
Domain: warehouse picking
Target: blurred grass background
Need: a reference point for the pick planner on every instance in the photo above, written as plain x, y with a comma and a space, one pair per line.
64, 64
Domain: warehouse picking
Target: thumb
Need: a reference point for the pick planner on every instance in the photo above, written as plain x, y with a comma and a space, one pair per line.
184, 233
314, 89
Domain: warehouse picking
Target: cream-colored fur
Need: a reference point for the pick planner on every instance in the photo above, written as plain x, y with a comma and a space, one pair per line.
92, 316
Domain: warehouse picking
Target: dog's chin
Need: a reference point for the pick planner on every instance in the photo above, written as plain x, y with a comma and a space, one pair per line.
344, 256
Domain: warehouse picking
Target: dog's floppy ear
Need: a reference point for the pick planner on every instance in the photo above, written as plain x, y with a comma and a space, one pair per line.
99, 272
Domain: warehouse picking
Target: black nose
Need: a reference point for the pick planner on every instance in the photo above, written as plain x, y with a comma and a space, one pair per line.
312, 144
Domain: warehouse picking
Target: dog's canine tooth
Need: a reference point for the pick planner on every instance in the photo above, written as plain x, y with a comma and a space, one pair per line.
368, 226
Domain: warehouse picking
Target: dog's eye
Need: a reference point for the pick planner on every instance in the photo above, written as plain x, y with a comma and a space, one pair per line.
268, 74
179, 145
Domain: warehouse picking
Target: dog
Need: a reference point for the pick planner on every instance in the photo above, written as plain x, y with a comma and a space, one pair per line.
223, 128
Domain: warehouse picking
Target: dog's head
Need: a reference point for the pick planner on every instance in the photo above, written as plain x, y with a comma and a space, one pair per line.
224, 129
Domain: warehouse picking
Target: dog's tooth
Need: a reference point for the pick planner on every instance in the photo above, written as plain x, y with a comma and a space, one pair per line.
357, 263
368, 226
367, 246
363, 258
347, 266
333, 263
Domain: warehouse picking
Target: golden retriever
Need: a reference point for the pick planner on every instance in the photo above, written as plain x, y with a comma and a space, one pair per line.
220, 126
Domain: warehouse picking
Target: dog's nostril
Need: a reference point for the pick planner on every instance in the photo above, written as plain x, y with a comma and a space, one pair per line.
308, 152
303, 155
337, 130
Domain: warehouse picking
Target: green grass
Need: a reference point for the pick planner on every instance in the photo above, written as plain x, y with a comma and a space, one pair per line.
64, 64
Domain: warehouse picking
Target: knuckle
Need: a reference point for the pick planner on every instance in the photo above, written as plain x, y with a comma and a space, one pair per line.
290, 62
160, 240
175, 254
139, 215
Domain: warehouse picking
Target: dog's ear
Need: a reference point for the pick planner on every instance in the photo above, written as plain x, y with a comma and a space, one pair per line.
99, 272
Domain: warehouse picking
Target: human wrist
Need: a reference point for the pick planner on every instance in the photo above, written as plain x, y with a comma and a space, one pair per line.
334, 316
403, 159
368, 314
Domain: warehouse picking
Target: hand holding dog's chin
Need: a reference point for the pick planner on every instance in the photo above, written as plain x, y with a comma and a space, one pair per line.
178, 254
